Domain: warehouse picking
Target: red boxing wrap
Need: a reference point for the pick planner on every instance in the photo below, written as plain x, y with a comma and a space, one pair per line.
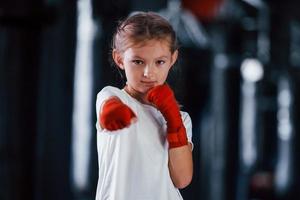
115, 115
163, 98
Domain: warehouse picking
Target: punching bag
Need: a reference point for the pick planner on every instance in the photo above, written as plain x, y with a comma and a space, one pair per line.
205, 10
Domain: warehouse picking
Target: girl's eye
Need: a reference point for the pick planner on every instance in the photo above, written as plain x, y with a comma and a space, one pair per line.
138, 62
160, 62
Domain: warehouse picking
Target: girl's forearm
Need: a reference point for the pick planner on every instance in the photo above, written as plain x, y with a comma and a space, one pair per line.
181, 165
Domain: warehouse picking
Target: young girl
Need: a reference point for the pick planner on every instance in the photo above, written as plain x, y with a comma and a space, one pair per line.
143, 139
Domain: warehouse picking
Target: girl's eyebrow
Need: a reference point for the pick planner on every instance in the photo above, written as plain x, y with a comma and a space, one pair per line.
138, 57
166, 57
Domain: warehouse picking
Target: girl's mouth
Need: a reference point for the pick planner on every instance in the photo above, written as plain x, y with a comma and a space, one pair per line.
149, 83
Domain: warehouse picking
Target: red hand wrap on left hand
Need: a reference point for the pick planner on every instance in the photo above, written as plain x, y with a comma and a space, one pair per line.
163, 98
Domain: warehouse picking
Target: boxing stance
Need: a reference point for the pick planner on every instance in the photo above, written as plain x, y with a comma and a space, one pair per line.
144, 141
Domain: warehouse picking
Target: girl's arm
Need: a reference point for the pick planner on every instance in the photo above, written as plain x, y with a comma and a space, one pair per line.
180, 154
181, 165
114, 114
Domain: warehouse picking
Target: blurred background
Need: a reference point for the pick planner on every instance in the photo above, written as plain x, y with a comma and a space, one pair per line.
237, 75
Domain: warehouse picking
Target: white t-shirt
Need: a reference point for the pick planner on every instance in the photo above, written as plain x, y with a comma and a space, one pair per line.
133, 162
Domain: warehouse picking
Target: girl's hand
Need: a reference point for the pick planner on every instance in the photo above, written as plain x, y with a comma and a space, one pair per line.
162, 97
115, 115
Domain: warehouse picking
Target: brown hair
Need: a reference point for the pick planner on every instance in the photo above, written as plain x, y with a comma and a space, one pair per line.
143, 26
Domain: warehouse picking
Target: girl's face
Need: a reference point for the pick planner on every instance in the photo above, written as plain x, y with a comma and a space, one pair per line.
146, 65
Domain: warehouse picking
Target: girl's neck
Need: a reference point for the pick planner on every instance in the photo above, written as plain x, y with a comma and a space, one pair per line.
141, 97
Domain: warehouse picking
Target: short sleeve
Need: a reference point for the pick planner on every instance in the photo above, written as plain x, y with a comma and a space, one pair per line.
188, 126
106, 93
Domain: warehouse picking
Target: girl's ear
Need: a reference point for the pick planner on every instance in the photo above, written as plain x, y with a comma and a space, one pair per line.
174, 57
118, 59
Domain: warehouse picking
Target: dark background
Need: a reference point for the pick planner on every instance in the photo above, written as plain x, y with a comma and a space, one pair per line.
37, 63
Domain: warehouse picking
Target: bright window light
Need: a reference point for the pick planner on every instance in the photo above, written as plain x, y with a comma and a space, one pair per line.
82, 124
252, 70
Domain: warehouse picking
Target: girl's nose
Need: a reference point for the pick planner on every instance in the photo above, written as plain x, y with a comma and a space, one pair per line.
149, 71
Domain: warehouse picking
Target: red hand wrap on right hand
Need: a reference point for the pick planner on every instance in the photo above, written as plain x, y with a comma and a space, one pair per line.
163, 98
115, 115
